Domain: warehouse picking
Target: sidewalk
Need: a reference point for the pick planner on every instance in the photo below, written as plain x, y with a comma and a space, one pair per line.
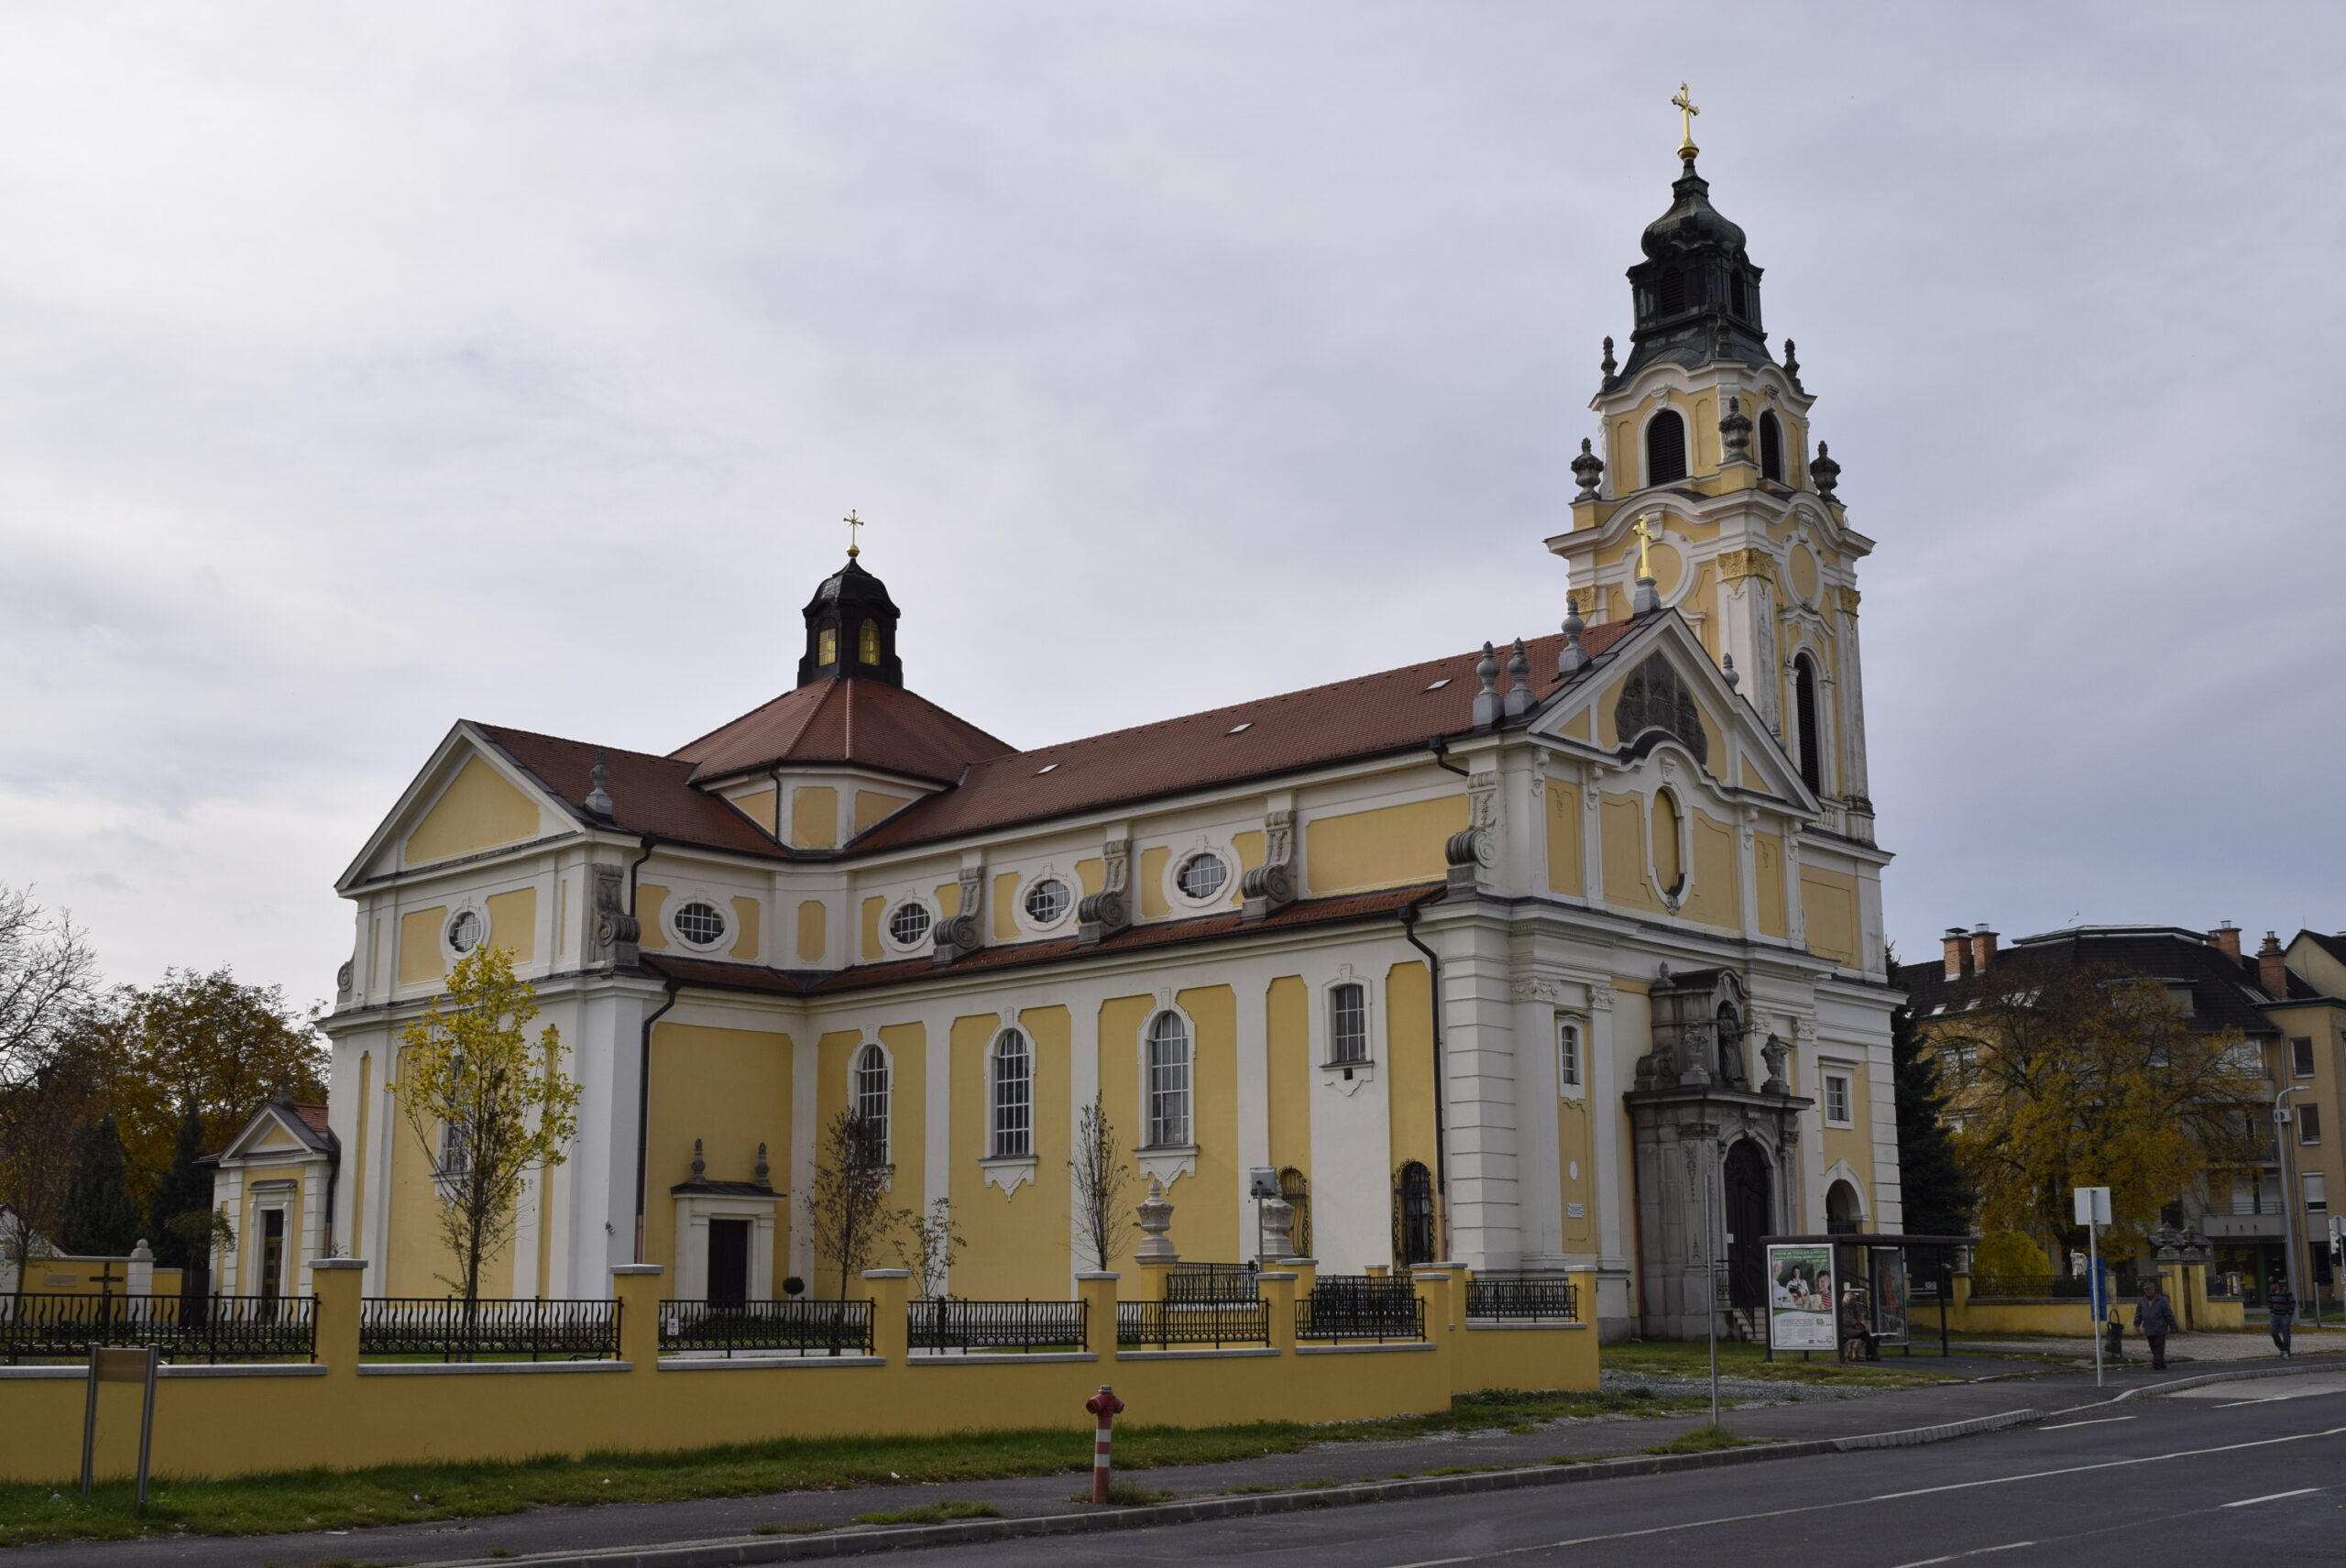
2251, 1344
2002, 1385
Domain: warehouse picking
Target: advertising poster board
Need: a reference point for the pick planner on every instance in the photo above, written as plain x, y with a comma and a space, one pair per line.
1890, 1297
1799, 1297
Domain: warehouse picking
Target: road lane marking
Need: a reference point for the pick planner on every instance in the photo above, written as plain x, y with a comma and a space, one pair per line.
2098, 1422
1975, 1551
1856, 1502
2274, 1496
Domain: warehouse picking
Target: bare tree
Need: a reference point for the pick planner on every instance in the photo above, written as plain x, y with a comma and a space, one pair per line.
926, 1244
46, 973
1099, 1178
41, 1117
847, 1203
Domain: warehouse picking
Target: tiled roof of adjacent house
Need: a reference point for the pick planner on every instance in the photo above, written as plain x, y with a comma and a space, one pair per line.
2224, 990
868, 723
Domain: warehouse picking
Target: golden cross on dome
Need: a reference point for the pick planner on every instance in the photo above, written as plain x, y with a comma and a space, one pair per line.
1684, 104
853, 522
1645, 536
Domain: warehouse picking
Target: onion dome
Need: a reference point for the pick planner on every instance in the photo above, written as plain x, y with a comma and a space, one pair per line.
1696, 292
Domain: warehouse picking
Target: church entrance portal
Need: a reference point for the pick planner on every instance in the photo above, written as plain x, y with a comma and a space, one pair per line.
1749, 1209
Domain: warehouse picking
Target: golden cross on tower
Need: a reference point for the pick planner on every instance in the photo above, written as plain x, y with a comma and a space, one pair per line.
1645, 536
853, 522
1684, 104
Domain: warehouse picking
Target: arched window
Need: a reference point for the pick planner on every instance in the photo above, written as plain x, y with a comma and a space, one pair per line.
867, 642
1169, 1081
1654, 698
1669, 864
1665, 448
1670, 292
827, 646
1296, 1188
1842, 1211
1412, 1215
1013, 1096
1771, 448
1738, 296
870, 1097
1812, 754
1347, 1024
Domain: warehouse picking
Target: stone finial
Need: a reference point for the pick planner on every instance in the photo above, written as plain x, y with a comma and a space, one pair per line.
765, 1171
700, 1165
1588, 468
1824, 472
1792, 362
1571, 658
1487, 701
1726, 668
1520, 695
1734, 430
1608, 366
599, 793
1718, 339
1156, 1218
1277, 1228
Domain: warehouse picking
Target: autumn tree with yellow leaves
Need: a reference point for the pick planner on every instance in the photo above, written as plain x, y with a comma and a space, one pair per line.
490, 1104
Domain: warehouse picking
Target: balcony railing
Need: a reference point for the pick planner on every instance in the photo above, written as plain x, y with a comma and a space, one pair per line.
1216, 1284
766, 1327
1167, 1325
43, 1326
450, 1329
1523, 1298
945, 1325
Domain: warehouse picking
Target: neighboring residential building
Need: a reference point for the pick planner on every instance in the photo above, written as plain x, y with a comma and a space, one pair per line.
1474, 954
2289, 1006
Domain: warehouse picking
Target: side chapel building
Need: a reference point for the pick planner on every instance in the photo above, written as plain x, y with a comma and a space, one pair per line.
1498, 956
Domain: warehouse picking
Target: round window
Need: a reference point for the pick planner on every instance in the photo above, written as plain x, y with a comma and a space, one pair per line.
908, 923
464, 931
699, 923
1201, 876
1047, 901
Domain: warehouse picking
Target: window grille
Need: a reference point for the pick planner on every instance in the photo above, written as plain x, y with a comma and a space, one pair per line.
1348, 1024
465, 931
1665, 448
827, 646
1201, 876
1013, 1096
1169, 1081
908, 923
699, 923
871, 1084
1568, 1053
867, 642
1047, 901
1412, 1215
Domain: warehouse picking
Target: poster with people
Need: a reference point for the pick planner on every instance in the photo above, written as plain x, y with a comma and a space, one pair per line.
1799, 1297
1890, 1295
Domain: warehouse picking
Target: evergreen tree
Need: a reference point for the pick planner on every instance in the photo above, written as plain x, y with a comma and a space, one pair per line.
178, 1214
1937, 1200
100, 1218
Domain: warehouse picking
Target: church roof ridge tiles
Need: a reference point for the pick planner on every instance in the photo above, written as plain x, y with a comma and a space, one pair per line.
864, 723
649, 794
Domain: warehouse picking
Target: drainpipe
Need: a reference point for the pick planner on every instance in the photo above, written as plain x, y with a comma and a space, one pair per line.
644, 1108
1440, 1114
1441, 749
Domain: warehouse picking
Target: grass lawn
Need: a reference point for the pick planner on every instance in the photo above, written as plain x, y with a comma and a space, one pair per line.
325, 1499
1692, 1358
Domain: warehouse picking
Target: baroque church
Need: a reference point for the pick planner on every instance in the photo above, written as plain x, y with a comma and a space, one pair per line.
1501, 958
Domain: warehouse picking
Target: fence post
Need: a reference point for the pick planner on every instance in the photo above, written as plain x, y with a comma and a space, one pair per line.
636, 1288
1097, 1291
1436, 1289
336, 1283
891, 1335
1584, 1286
1278, 1302
1305, 1271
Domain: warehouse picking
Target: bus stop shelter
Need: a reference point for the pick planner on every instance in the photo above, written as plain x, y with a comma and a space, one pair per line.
1821, 1288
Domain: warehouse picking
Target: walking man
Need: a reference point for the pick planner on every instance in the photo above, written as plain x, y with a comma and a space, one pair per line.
2155, 1320
2283, 1305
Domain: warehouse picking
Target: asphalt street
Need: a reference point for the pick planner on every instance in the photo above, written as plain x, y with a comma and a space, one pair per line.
2258, 1476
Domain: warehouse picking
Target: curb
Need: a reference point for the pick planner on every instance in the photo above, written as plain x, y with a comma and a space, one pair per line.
722, 1553
2292, 1368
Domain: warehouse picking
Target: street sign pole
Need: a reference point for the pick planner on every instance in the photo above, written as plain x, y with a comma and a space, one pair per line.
2092, 1208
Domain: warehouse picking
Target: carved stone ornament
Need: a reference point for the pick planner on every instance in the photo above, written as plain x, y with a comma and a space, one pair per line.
1533, 989
1774, 1053
1108, 911
1699, 1024
1734, 430
1155, 1217
1474, 849
342, 978
1824, 472
616, 932
1734, 565
1589, 469
965, 933
1602, 997
1277, 1227
1273, 885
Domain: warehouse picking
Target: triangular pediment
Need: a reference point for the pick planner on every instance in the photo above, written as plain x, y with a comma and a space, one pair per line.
275, 1132
469, 799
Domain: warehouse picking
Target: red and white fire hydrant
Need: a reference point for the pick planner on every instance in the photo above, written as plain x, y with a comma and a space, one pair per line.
1104, 1406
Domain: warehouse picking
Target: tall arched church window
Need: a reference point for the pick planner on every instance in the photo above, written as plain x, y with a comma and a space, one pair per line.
1665, 448
870, 1102
867, 642
1013, 1096
1169, 1081
1771, 448
1347, 1025
1412, 1215
1669, 865
1812, 755
1654, 698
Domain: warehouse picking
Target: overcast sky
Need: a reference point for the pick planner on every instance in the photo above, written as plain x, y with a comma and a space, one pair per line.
365, 367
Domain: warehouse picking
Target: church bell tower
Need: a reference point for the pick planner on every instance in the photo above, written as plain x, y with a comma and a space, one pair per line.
1703, 449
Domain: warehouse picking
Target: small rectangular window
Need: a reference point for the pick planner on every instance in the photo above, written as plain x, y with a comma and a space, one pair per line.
1348, 1024
1836, 1099
2301, 1057
1568, 1053
2309, 1124
2317, 1192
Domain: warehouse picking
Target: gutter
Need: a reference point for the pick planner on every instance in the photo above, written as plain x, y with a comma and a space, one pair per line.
643, 1107
1440, 1113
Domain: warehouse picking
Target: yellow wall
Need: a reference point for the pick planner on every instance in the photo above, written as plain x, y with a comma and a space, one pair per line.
1250, 855
745, 924
1715, 898
1122, 1018
1091, 875
418, 1259
814, 817
1018, 1242
1409, 1041
1210, 1227
872, 909
759, 806
420, 955
1152, 884
731, 1088
651, 898
1288, 1072
1392, 844
1828, 903
1577, 726
1005, 910
478, 811
1768, 866
1575, 1152
813, 936
1621, 822
513, 922
949, 899
873, 808
1564, 874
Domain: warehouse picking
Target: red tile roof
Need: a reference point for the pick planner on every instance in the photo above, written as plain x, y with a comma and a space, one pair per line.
313, 1116
899, 972
856, 721
648, 794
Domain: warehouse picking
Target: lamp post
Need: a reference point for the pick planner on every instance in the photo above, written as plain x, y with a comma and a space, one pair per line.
2288, 1197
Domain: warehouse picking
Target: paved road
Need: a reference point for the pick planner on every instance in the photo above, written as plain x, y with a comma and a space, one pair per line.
2258, 1478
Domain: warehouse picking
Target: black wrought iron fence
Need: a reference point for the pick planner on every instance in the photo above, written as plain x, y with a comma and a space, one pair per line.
1523, 1298
771, 1328
46, 1326
2045, 1287
1346, 1312
1212, 1284
1167, 1324
451, 1329
944, 1323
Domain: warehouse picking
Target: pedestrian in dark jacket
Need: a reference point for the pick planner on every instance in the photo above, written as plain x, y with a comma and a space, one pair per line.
2283, 1305
2155, 1320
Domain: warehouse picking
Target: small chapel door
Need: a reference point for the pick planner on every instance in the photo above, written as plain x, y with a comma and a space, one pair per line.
728, 1262
1749, 1223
